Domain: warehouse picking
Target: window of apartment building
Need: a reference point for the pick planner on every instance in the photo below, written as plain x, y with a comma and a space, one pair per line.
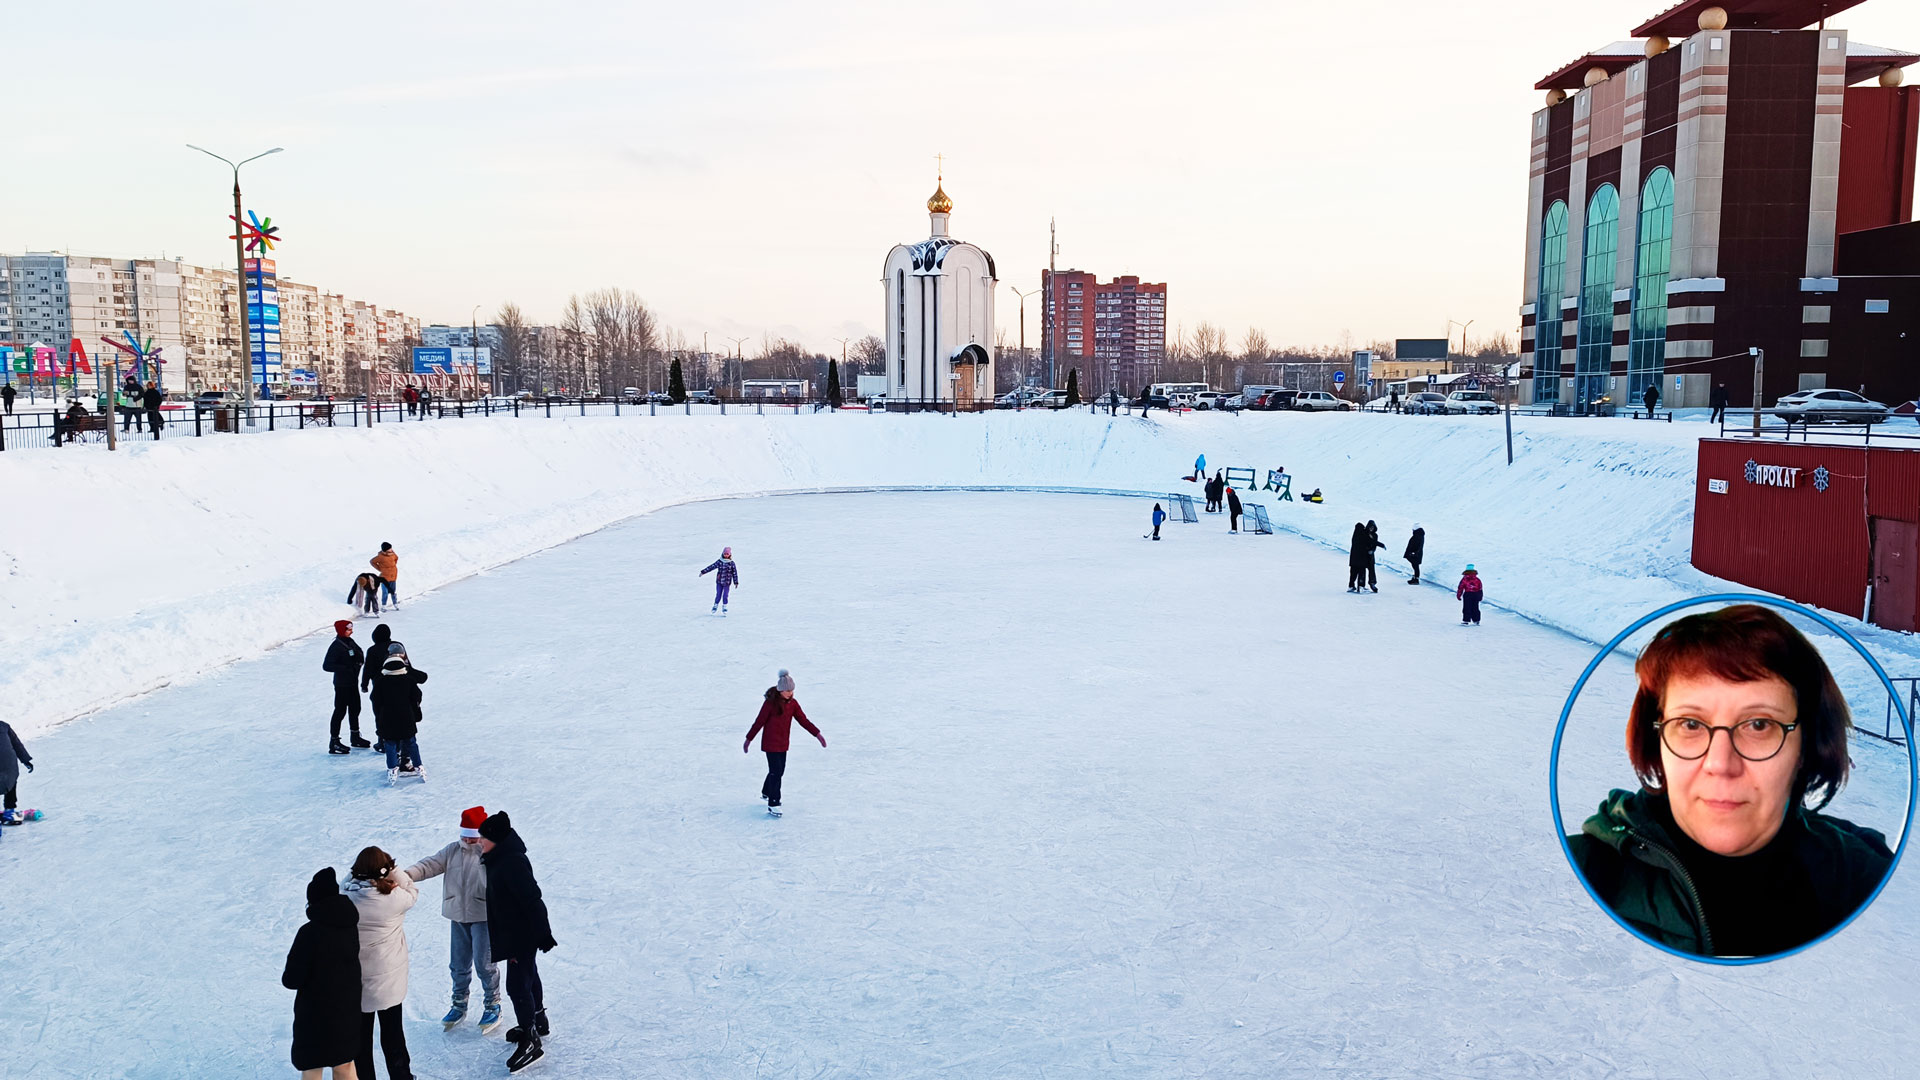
1546, 320
1653, 257
1594, 356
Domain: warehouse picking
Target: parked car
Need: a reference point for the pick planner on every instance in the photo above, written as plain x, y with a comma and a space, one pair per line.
1231, 403
1425, 403
660, 397
1464, 402
1829, 407
701, 397
1274, 400
213, 399
630, 394
1319, 401
1052, 399
1208, 399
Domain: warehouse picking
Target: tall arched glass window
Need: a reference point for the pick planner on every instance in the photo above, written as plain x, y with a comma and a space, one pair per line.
1593, 357
1546, 309
1647, 340
900, 319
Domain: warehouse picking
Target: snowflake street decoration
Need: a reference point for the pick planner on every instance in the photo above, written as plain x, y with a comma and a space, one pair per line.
260, 235
1821, 478
1753, 471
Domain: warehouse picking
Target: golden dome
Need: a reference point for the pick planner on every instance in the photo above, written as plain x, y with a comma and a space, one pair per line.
939, 204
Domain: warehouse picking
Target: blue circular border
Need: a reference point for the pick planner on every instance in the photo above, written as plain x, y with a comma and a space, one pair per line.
1553, 768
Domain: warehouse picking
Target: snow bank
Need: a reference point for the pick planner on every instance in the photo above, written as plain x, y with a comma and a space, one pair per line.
130, 571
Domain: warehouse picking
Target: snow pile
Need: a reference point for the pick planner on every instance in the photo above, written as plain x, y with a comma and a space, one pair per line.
130, 571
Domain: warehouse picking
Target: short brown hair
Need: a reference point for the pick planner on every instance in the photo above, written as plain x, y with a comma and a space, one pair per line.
374, 865
1745, 643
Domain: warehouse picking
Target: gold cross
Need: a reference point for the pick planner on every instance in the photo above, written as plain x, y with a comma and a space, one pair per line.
940, 165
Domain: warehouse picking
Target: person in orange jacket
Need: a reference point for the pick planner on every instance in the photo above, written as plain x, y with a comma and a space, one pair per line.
388, 564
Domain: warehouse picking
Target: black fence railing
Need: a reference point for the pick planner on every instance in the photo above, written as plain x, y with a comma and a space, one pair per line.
1784, 426
1891, 730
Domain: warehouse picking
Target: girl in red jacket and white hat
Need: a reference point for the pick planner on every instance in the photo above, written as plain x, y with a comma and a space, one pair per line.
774, 725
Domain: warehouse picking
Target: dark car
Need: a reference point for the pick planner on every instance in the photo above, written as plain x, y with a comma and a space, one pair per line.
1273, 401
1425, 403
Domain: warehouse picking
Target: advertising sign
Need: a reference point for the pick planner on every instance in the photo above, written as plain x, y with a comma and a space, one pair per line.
444, 360
304, 377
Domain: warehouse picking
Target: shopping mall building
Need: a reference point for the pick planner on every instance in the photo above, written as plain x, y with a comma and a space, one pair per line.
1740, 176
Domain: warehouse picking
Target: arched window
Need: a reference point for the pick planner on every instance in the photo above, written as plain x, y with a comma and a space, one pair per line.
1647, 340
1594, 355
1546, 309
900, 320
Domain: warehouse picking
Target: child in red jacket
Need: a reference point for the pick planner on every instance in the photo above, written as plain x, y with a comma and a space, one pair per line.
774, 725
1468, 593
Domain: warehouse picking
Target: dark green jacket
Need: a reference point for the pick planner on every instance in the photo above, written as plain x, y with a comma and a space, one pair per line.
1628, 858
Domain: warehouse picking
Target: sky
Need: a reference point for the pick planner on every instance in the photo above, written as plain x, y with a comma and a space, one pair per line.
1323, 173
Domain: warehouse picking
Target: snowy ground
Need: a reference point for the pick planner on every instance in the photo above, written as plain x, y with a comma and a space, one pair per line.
1093, 806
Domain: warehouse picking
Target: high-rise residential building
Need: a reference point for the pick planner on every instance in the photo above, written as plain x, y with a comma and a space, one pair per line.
190, 312
1114, 333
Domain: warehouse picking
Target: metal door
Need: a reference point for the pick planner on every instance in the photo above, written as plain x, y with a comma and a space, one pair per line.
1894, 578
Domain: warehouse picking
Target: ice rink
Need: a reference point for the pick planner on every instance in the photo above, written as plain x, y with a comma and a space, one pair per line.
1092, 806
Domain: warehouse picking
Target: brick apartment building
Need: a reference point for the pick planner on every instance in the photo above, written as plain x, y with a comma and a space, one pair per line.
1114, 333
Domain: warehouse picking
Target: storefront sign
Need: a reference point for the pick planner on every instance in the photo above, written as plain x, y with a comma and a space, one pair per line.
1786, 476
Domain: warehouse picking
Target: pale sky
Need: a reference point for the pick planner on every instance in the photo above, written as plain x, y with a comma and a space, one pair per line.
1311, 170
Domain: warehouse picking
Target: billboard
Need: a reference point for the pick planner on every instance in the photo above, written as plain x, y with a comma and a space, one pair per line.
442, 360
263, 320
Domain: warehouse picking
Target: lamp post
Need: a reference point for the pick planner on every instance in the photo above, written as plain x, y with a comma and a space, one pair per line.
240, 276
738, 373
1025, 374
473, 330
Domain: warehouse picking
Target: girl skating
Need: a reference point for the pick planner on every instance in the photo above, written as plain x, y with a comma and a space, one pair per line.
724, 583
775, 727
1468, 592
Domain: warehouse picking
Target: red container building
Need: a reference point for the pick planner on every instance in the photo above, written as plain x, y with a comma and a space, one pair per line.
1834, 526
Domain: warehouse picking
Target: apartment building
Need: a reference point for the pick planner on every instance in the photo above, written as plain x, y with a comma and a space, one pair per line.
1115, 332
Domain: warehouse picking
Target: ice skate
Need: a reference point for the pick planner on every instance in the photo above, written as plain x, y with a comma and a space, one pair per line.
360, 743
773, 809
528, 1053
454, 1015
393, 775
1375, 588
489, 1018
540, 1023
338, 747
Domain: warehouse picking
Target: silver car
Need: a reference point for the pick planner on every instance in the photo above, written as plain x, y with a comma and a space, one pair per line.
1470, 401
1829, 407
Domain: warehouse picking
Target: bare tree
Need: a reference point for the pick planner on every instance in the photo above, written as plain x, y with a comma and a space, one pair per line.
868, 356
1209, 347
515, 343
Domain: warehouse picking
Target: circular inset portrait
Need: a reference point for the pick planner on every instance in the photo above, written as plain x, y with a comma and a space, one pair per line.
1733, 828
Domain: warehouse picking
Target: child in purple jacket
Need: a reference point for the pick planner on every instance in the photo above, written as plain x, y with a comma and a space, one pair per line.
724, 582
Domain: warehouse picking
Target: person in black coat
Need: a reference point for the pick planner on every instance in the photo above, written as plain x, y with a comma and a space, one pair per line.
518, 930
152, 400
1233, 511
1372, 544
1416, 551
396, 712
323, 971
1216, 487
1652, 399
376, 656
1718, 399
344, 661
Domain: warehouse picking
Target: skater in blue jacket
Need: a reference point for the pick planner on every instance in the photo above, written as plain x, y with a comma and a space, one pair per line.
725, 581
1159, 516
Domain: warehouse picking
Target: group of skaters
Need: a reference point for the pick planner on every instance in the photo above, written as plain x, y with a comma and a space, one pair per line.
384, 672
1361, 576
348, 964
419, 401
376, 591
131, 401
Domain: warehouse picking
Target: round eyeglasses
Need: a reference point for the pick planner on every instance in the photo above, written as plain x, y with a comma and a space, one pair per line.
1756, 740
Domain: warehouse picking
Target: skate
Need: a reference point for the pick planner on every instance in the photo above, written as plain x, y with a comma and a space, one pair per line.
490, 1018
12, 817
773, 809
380, 746
393, 775
338, 747
723, 611
1413, 581
714, 610
454, 1016
360, 743
528, 1053
540, 1023
1375, 588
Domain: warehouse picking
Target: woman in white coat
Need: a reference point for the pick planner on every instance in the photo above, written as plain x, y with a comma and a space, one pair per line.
382, 898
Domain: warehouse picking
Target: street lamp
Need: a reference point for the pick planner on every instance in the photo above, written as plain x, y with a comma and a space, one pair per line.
240, 277
1024, 373
738, 372
473, 342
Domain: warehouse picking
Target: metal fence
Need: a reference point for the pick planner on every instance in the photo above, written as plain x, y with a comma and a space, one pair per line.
1776, 425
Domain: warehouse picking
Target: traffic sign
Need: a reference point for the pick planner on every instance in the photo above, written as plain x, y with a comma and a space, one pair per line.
1339, 377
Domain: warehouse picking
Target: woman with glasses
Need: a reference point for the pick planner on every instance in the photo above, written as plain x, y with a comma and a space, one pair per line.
1738, 736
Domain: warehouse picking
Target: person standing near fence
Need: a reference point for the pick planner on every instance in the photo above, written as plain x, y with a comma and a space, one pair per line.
1718, 399
1233, 511
6, 397
152, 400
426, 403
1652, 399
387, 563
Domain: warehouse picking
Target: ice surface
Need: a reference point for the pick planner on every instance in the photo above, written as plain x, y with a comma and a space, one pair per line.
149, 567
1092, 807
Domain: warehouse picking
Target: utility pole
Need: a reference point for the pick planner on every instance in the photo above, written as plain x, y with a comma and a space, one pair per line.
1025, 374
1759, 376
473, 332
1051, 307
738, 372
